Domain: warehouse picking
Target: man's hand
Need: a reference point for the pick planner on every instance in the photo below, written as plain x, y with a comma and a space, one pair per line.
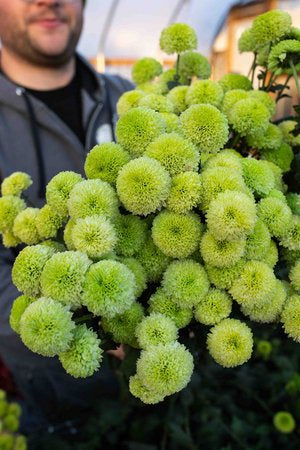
118, 353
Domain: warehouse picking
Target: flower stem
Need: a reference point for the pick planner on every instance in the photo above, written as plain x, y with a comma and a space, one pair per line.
283, 88
83, 318
177, 68
295, 76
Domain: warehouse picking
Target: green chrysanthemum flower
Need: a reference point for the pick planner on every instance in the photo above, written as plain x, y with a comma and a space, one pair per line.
48, 222
68, 234
258, 176
157, 102
231, 98
227, 160
255, 285
139, 274
291, 239
275, 193
176, 235
109, 288
177, 97
46, 327
230, 343
284, 422
6, 441
287, 126
271, 256
84, 355
28, 267
153, 87
293, 200
10, 207
282, 54
265, 99
185, 192
246, 42
231, 216
231, 81
193, 64
290, 317
276, 215
137, 128
270, 140
138, 390
143, 185
268, 311
131, 233
105, 161
204, 91
20, 443
214, 307
177, 38
153, 260
16, 183
58, 191
221, 253
172, 123
166, 369
11, 423
174, 152
258, 242
145, 69
122, 326
277, 172
160, 302
63, 277
282, 156
205, 126
271, 26
249, 117
156, 329
294, 276
92, 197
129, 100
25, 227
9, 239
186, 282
263, 349
18, 308
223, 277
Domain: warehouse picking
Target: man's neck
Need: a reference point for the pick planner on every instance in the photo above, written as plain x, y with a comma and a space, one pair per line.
33, 76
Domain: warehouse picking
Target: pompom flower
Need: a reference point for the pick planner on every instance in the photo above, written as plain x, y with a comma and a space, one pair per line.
271, 26
137, 128
265, 99
156, 329
131, 233
221, 253
293, 200
166, 369
231, 216
206, 126
16, 183
129, 100
139, 274
276, 215
48, 222
171, 122
231, 81
246, 42
160, 302
214, 307
157, 102
84, 355
204, 91
109, 288
287, 127
193, 64
10, 207
263, 349
25, 227
291, 239
122, 326
174, 152
46, 327
258, 242
230, 343
63, 277
282, 156
68, 234
92, 197
105, 161
294, 276
177, 38
290, 317
186, 282
153, 260
270, 140
58, 191
143, 185
231, 98
284, 422
177, 97
249, 117
18, 308
255, 285
138, 390
28, 267
9, 239
176, 235
145, 69
185, 192
282, 54
223, 277
271, 255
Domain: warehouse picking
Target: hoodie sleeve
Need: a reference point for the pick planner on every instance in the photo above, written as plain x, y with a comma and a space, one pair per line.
8, 292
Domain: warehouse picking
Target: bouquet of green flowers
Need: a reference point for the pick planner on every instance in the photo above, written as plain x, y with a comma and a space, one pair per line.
9, 424
184, 217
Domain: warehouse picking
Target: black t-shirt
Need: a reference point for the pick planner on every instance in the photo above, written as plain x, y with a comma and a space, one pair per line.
66, 103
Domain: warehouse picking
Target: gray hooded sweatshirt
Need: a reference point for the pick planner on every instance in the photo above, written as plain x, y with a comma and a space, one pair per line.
33, 139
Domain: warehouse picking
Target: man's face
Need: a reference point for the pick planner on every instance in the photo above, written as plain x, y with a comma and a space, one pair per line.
43, 32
